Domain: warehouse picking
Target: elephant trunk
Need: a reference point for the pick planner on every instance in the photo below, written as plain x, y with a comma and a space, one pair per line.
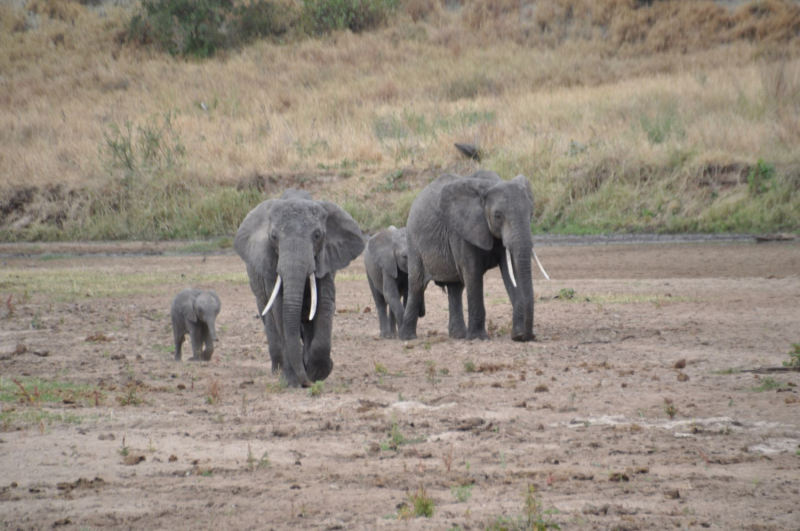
212, 329
520, 252
295, 267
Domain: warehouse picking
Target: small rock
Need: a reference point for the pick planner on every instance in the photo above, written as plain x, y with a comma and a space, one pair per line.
683, 377
172, 458
133, 459
21, 349
367, 309
521, 404
680, 364
618, 477
181, 387
672, 494
106, 437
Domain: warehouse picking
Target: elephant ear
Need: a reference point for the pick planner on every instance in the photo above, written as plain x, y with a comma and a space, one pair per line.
381, 248
188, 309
343, 240
252, 242
526, 184
461, 205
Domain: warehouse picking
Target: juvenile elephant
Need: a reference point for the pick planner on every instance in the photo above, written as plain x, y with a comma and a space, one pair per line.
458, 228
194, 312
293, 247
386, 262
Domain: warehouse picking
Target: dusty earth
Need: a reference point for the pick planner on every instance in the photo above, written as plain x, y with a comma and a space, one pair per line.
110, 433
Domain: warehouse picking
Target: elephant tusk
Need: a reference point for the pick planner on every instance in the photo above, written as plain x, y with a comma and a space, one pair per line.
510, 268
539, 263
275, 291
313, 311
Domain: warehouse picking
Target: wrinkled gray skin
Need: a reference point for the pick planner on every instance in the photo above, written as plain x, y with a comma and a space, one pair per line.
294, 237
459, 228
194, 312
386, 263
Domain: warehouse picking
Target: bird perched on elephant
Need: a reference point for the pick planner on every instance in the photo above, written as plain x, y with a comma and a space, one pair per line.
194, 312
459, 228
386, 263
292, 248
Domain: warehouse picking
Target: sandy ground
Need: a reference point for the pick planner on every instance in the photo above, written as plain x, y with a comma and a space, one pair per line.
581, 414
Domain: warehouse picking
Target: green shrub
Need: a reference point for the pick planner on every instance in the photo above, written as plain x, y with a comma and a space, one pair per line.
761, 178
199, 28
324, 16
181, 27
260, 19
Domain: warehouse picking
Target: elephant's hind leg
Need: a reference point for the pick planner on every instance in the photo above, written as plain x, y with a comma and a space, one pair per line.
380, 309
179, 338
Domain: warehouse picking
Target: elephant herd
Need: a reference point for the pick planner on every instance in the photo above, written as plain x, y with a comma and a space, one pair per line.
458, 228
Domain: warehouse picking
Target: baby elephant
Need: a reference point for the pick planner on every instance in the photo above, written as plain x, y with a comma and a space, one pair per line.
386, 262
194, 312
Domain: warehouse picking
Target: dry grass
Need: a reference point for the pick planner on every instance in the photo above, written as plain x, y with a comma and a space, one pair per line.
615, 112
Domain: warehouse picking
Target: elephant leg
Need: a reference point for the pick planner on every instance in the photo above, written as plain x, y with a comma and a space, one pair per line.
392, 295
456, 327
317, 358
274, 343
416, 290
208, 345
196, 335
518, 314
380, 309
179, 337
477, 311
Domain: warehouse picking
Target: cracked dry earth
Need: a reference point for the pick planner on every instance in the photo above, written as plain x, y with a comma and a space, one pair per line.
109, 433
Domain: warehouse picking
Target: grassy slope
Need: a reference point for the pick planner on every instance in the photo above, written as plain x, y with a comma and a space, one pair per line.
617, 131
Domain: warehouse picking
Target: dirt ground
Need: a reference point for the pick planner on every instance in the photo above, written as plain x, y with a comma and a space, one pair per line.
111, 433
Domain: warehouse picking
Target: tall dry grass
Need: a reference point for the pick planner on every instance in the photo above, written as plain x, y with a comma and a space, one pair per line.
624, 116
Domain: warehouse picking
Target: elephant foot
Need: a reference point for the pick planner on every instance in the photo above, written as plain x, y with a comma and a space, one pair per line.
408, 336
457, 330
479, 334
388, 335
523, 337
458, 333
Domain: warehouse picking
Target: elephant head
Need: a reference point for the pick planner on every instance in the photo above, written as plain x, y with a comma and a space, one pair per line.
205, 308
482, 208
291, 243
389, 248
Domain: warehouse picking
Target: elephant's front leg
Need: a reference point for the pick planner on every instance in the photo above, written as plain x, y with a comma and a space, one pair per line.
274, 342
518, 313
208, 343
392, 295
317, 353
196, 336
477, 311
456, 327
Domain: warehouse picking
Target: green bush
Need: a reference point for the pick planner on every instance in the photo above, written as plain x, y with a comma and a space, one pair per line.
198, 28
761, 178
181, 27
324, 16
260, 19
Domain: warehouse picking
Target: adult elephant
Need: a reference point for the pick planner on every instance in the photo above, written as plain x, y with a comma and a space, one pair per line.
293, 247
458, 228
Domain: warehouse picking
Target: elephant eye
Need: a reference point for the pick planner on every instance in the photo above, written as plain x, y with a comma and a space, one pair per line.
498, 216
274, 235
317, 235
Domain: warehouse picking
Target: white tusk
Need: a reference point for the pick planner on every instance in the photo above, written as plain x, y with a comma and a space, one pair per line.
539, 263
510, 268
313, 311
275, 291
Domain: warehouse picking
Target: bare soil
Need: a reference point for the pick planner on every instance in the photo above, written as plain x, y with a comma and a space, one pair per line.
581, 414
